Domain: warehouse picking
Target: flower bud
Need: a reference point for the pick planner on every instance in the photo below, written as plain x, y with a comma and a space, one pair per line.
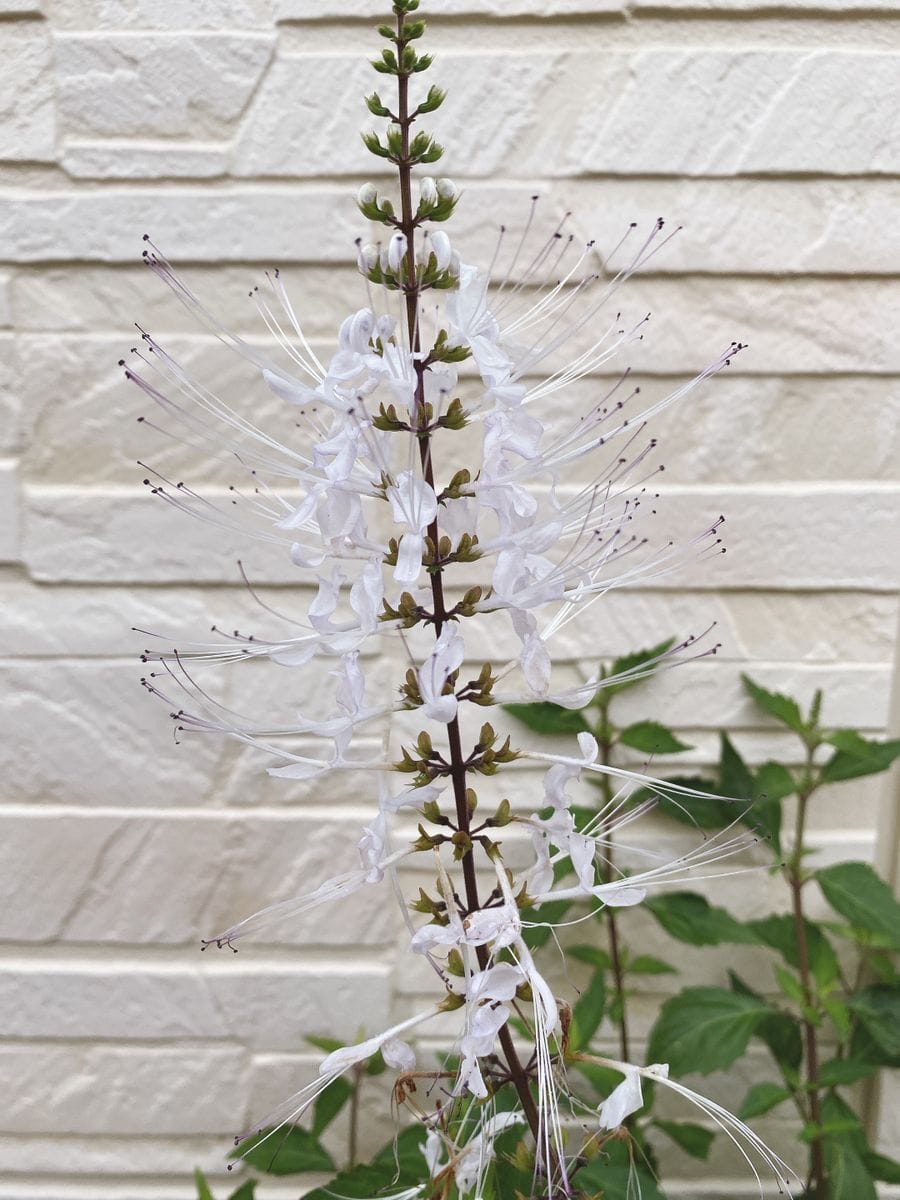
428, 193
356, 330
367, 257
443, 251
366, 195
385, 325
396, 251
446, 189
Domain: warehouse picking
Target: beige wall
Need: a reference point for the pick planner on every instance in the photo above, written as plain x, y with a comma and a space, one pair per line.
229, 131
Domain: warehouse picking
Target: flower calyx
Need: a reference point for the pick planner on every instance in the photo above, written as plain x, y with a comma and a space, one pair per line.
408, 611
485, 759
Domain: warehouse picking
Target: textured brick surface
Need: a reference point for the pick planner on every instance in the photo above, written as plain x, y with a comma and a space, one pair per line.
229, 132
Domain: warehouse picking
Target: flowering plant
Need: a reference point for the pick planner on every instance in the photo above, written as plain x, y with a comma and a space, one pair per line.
422, 517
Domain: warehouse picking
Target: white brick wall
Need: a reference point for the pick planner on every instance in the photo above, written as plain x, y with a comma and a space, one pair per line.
230, 131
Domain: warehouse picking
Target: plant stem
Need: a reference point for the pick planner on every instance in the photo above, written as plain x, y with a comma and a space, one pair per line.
795, 879
612, 928
517, 1072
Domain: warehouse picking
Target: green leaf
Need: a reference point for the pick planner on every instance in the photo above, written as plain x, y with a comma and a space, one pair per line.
546, 718
651, 738
588, 1012
329, 1104
646, 964
735, 777
857, 893
592, 955
779, 933
789, 984
601, 1079
838, 1072
761, 1098
287, 1152
630, 662
771, 784
361, 1182
782, 708
617, 1173
780, 1032
693, 1139
774, 781
704, 1029
690, 918
693, 810
877, 1008
404, 1152
550, 913
246, 1191
329, 1045
848, 1177
840, 1015
881, 1167
856, 756
203, 1192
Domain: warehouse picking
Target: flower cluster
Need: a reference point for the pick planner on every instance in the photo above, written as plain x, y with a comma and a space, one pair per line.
421, 516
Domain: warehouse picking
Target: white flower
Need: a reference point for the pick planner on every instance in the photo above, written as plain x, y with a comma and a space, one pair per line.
446, 657
623, 1100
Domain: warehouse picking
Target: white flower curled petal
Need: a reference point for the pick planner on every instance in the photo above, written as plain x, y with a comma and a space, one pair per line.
618, 895
498, 982
501, 926
325, 602
366, 596
412, 501
433, 1151
348, 1056
356, 330
409, 559
292, 390
446, 657
536, 665
626, 1098
398, 1055
411, 798
302, 556
371, 848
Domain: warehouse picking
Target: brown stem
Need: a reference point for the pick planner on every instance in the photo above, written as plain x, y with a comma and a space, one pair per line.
810, 1034
517, 1072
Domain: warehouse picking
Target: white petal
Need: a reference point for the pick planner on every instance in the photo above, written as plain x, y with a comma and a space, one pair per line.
622, 1101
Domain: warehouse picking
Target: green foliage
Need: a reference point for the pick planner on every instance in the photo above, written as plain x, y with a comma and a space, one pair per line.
246, 1191
631, 662
588, 1012
782, 708
285, 1152
651, 738
762, 1098
695, 1140
619, 1173
329, 1104
690, 918
548, 719
203, 1192
856, 892
856, 756
704, 1029
877, 1008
